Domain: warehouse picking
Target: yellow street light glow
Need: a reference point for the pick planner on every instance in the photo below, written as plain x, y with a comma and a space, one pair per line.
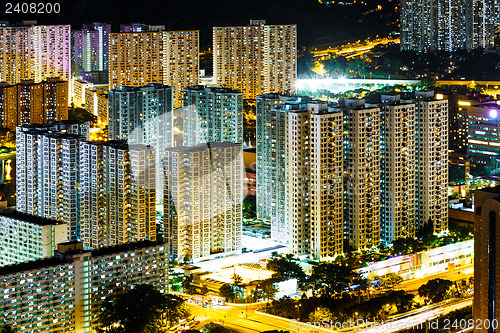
464, 103
439, 96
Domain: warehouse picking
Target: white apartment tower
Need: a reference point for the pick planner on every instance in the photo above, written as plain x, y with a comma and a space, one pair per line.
272, 152
212, 115
117, 200
203, 199
32, 52
162, 57
47, 174
256, 59
398, 164
362, 174
432, 157
143, 115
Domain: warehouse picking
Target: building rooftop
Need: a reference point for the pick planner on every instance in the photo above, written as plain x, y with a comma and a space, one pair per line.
33, 265
14, 214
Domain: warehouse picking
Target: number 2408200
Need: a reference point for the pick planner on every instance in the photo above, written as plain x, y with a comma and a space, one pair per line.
32, 8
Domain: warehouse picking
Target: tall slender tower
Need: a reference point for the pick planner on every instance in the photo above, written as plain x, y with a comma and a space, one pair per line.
432, 157
256, 59
398, 164
362, 179
315, 172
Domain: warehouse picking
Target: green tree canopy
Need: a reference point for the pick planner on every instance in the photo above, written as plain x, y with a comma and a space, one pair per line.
285, 267
214, 328
436, 290
226, 291
332, 278
138, 310
7, 329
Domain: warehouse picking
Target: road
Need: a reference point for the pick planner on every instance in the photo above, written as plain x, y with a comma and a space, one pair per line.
418, 320
236, 318
352, 50
245, 320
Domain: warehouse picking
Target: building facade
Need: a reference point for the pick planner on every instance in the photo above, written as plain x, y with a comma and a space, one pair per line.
117, 193
143, 115
432, 161
33, 103
256, 59
398, 165
26, 237
315, 172
35, 52
212, 115
47, 175
483, 139
203, 200
486, 259
161, 57
64, 293
91, 47
448, 25
362, 174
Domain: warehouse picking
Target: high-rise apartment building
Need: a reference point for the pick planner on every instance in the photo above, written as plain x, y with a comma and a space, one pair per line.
181, 61
256, 59
33, 103
432, 160
91, 47
362, 174
96, 103
486, 258
47, 175
448, 25
398, 165
272, 147
32, 52
163, 57
117, 193
143, 115
212, 115
315, 184
65, 293
485, 22
300, 173
203, 199
26, 237
483, 139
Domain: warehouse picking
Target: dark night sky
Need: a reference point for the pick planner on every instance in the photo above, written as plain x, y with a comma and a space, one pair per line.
316, 24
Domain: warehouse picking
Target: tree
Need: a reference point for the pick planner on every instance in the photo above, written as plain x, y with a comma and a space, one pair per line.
214, 328
436, 290
226, 291
7, 329
332, 278
187, 286
138, 310
391, 280
265, 290
237, 280
321, 313
285, 267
